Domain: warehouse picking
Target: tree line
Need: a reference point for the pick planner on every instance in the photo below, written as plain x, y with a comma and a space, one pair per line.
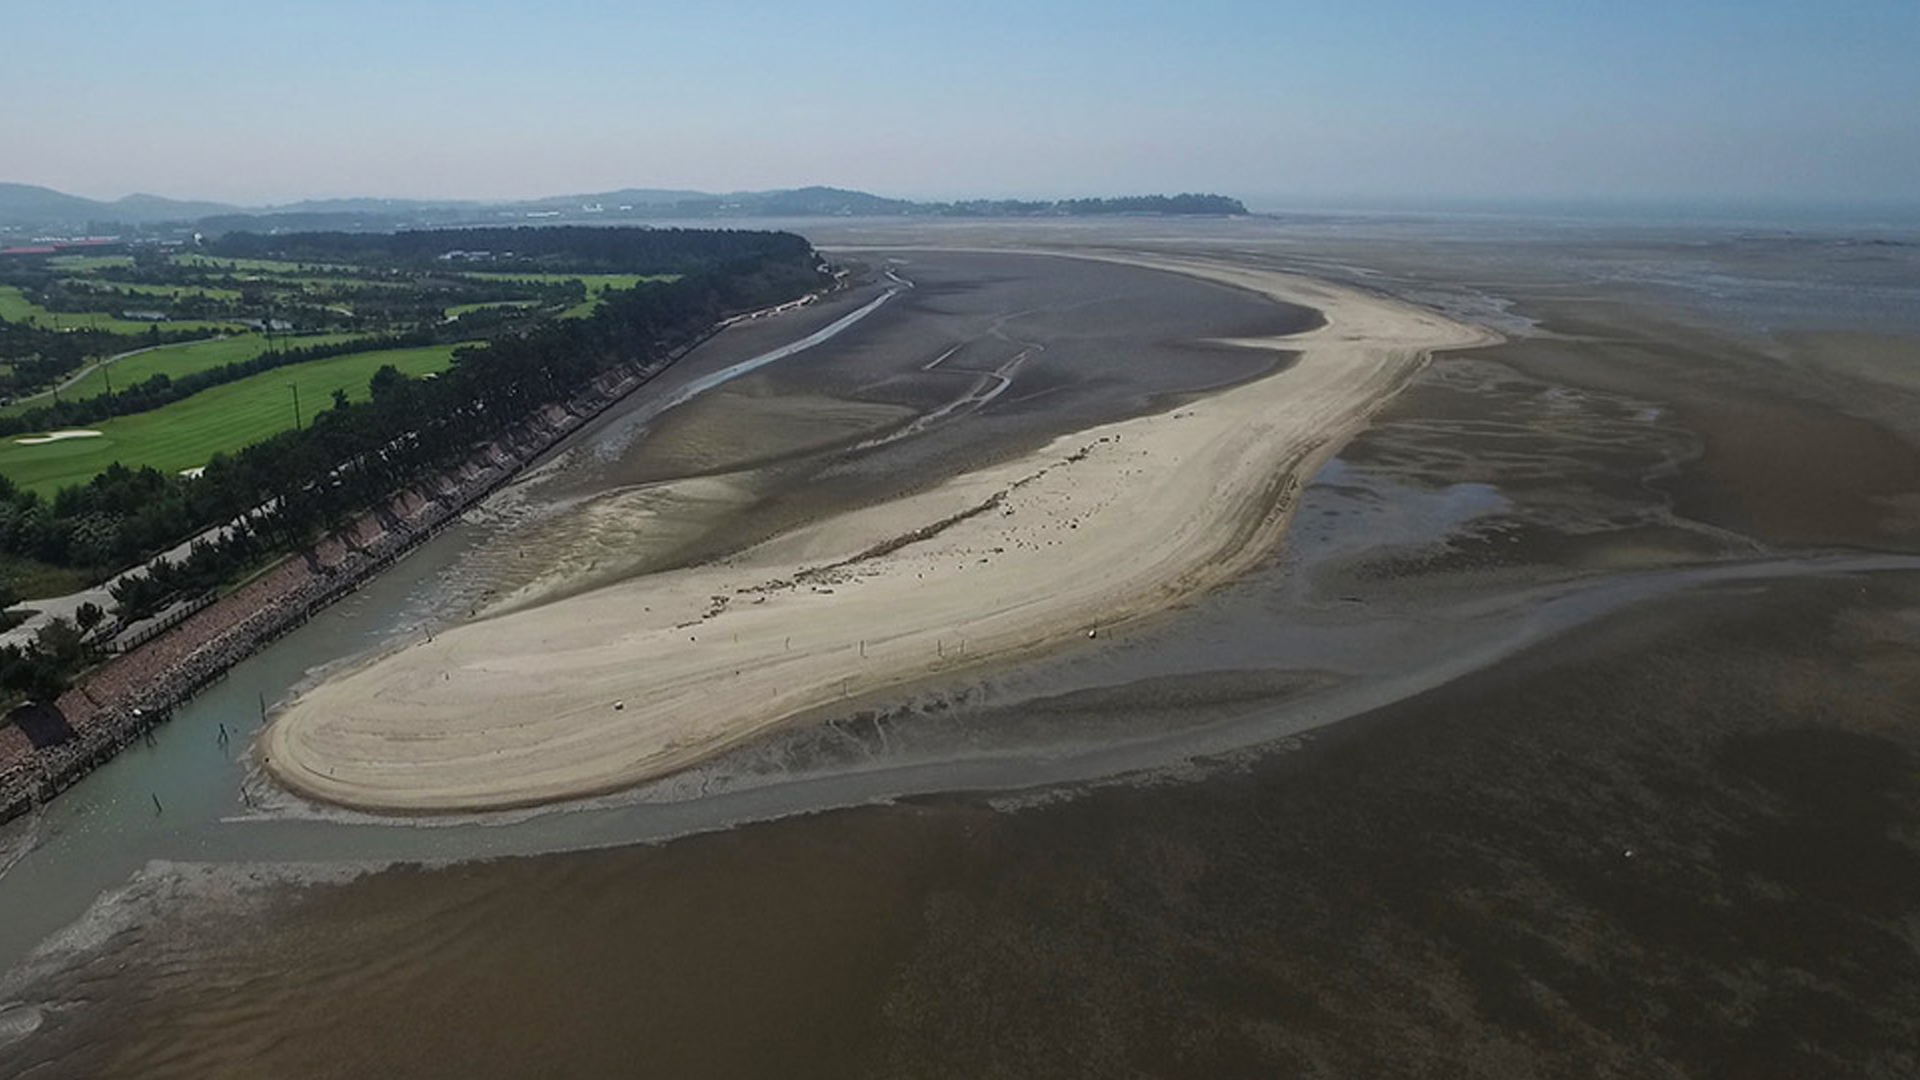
565, 248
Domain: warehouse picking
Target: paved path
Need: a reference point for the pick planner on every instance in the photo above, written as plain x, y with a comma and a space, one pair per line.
75, 378
63, 607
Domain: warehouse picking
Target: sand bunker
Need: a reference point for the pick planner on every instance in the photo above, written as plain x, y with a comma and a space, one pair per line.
57, 436
605, 689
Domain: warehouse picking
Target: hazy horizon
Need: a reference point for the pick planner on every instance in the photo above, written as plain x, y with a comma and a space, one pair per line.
1764, 102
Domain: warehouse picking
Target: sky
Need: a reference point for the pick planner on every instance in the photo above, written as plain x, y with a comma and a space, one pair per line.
1280, 103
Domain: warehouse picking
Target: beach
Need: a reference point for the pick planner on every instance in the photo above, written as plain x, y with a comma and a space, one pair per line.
596, 692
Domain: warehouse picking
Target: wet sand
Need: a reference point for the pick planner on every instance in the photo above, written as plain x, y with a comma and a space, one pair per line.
600, 691
988, 357
1660, 846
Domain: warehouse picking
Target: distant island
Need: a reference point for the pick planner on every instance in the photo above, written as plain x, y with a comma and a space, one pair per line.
27, 211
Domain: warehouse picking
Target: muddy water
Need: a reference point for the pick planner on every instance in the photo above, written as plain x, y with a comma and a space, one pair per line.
1633, 853
1442, 884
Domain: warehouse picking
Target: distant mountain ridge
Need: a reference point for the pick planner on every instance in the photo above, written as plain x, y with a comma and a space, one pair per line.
28, 204
26, 207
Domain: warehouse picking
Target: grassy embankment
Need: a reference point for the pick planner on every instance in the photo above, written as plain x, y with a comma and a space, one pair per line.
187, 433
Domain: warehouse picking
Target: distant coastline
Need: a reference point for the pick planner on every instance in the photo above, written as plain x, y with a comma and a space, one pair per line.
28, 211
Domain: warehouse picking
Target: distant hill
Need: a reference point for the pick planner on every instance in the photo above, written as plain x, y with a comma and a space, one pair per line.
26, 209
617, 199
366, 206
160, 208
25, 203
31, 206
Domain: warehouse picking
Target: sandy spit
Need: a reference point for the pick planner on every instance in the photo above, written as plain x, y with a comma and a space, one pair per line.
603, 690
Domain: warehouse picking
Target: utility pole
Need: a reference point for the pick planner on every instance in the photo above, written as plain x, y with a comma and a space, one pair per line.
295, 387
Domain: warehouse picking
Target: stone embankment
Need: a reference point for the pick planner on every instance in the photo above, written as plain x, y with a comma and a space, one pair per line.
121, 700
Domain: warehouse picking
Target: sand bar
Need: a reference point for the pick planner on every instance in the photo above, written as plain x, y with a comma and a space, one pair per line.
603, 690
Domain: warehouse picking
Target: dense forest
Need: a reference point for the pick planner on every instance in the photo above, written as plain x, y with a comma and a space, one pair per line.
531, 249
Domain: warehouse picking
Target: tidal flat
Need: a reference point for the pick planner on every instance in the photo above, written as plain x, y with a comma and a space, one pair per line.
1570, 732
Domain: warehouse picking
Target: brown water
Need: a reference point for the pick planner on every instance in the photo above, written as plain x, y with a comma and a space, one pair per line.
1445, 885
1440, 887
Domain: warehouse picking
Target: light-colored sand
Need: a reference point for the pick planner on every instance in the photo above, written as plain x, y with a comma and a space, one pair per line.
602, 690
57, 436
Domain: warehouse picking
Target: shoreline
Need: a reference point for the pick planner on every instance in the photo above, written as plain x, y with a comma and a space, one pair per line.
603, 690
127, 696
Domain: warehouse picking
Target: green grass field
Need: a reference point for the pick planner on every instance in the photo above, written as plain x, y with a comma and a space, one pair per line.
175, 360
187, 433
83, 263
597, 284
15, 307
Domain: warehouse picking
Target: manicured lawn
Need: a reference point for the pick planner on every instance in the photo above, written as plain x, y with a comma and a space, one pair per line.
15, 307
185, 434
175, 360
597, 284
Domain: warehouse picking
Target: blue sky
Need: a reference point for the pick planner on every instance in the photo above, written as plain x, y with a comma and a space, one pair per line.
1280, 102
